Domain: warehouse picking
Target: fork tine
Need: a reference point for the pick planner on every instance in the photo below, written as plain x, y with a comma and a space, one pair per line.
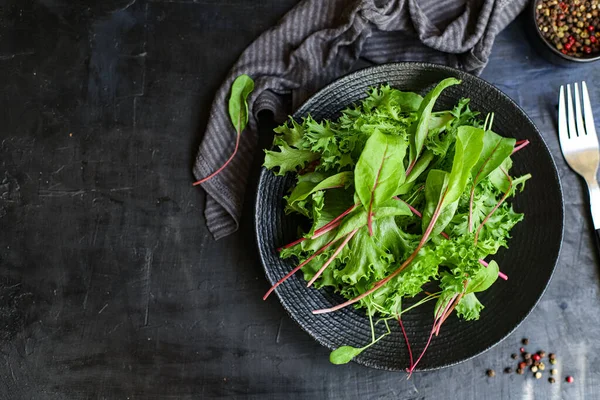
563, 130
587, 110
578, 115
571, 115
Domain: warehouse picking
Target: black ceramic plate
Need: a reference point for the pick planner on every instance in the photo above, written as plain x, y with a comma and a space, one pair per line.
529, 263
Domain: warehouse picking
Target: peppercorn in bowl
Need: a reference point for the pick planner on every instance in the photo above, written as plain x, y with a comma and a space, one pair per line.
569, 30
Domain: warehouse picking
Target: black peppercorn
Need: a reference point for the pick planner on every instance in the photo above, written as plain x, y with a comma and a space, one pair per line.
491, 373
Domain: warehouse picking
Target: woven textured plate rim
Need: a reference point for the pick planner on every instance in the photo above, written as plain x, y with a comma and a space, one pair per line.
462, 75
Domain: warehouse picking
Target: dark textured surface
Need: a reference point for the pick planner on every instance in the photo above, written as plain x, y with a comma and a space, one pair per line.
506, 303
111, 286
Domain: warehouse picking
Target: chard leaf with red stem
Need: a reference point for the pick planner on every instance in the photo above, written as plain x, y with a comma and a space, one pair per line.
469, 143
241, 88
379, 171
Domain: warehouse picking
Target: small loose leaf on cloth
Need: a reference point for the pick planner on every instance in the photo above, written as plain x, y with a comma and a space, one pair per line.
238, 112
238, 104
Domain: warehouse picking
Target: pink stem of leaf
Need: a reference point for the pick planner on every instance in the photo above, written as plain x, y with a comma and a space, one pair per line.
437, 325
500, 273
333, 256
454, 301
407, 341
519, 145
418, 214
295, 242
237, 144
412, 209
324, 231
327, 226
448, 312
292, 272
370, 223
384, 281
412, 368
302, 239
411, 166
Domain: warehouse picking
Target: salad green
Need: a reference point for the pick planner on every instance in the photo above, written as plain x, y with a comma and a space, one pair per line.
404, 203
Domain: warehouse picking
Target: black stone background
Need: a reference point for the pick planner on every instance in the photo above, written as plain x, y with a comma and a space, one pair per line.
111, 287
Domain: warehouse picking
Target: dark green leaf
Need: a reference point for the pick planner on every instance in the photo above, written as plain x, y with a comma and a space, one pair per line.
238, 105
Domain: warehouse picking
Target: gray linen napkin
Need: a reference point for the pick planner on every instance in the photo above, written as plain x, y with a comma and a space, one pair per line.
319, 40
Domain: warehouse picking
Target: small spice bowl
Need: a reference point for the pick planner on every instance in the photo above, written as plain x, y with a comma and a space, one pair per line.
567, 32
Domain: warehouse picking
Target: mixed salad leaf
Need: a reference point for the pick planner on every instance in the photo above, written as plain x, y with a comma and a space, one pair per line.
405, 205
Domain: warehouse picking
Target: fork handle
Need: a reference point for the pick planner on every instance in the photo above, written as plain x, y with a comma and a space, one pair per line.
594, 191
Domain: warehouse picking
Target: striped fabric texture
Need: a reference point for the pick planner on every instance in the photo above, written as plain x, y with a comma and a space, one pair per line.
316, 42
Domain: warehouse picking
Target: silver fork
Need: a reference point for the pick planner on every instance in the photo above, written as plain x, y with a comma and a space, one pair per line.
579, 143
